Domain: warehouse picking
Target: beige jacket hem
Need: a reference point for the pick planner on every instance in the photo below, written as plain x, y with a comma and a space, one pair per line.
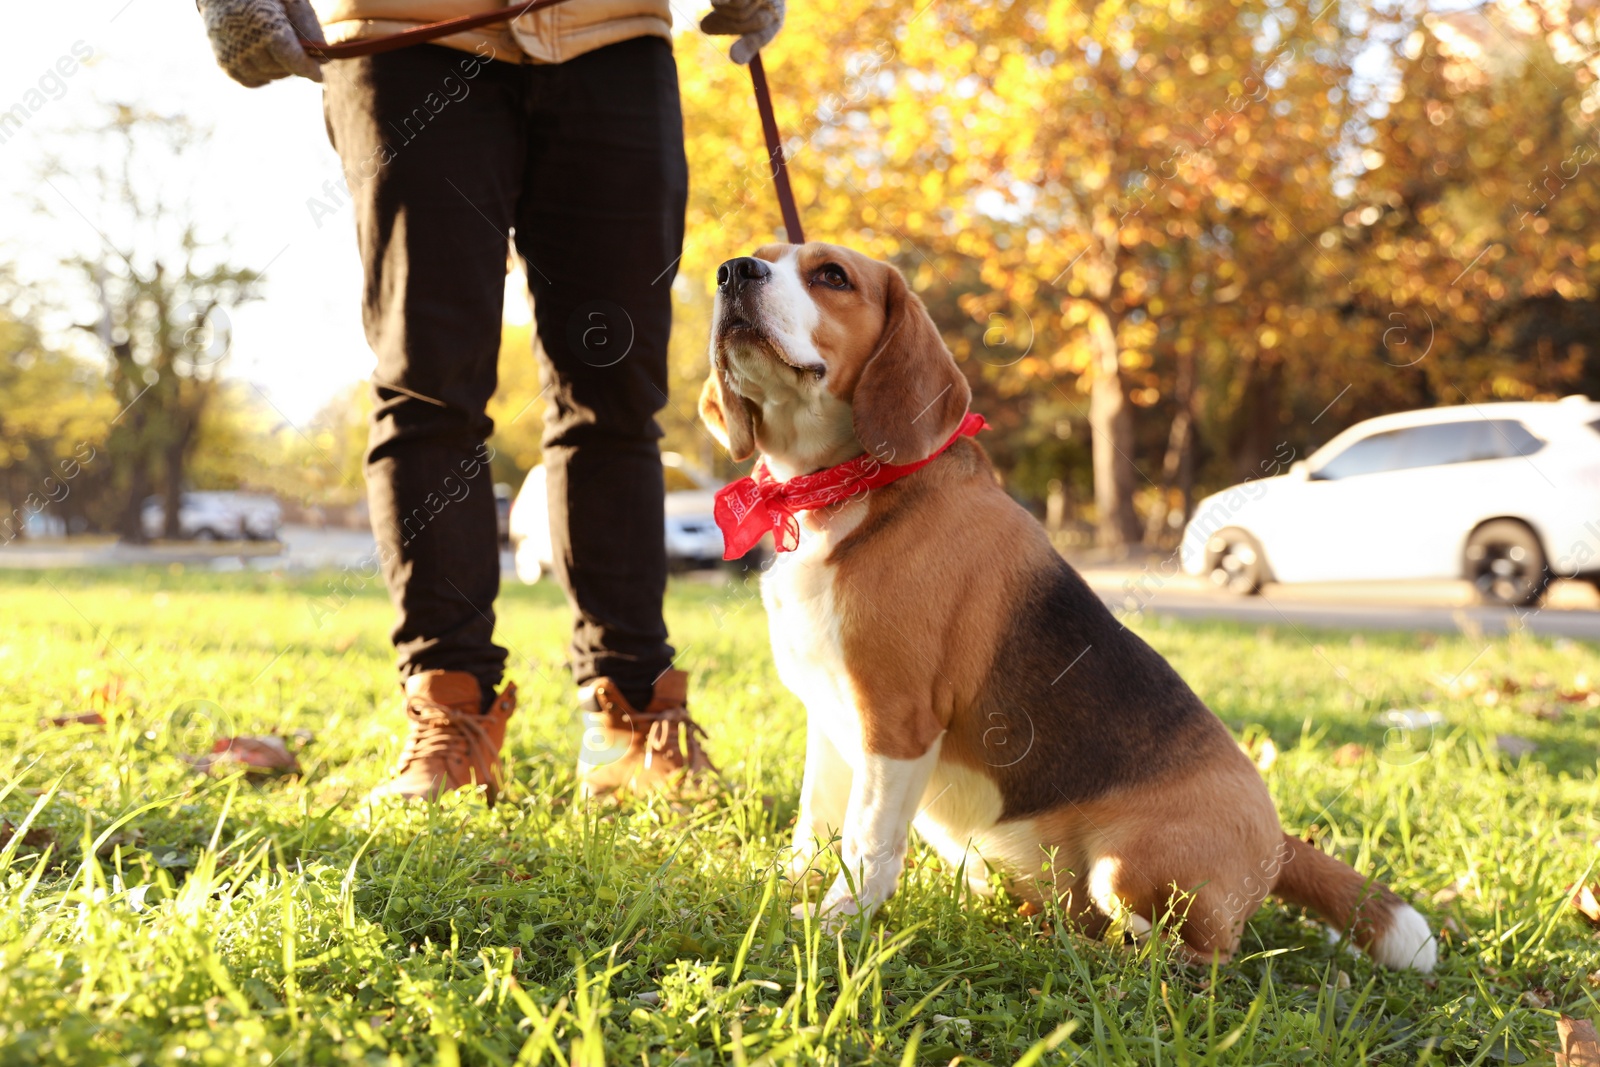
553, 35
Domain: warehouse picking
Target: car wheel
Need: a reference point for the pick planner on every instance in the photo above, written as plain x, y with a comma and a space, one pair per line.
206, 533
1235, 563
1505, 563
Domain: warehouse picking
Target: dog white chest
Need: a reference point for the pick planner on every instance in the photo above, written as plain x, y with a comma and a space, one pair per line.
807, 642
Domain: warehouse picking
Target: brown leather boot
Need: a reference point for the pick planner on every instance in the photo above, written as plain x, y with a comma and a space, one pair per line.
628, 751
453, 743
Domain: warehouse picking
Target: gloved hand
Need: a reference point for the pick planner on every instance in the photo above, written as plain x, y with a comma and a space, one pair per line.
256, 41
756, 22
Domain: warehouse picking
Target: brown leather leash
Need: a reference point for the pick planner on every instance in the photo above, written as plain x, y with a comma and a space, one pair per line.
432, 31
780, 166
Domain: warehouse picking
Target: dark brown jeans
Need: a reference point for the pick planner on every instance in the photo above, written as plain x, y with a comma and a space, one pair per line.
448, 156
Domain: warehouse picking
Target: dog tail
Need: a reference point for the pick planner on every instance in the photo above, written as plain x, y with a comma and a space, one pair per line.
1388, 929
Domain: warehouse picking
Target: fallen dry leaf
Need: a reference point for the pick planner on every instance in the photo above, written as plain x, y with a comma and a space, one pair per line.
36, 836
1577, 1042
83, 718
1587, 901
1537, 998
257, 756
1349, 755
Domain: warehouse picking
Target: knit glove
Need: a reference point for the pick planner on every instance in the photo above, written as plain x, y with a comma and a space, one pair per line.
257, 41
756, 22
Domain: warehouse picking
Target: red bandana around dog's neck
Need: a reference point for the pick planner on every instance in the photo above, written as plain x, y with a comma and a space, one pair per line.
753, 506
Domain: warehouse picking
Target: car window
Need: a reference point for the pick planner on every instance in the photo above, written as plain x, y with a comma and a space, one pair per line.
1514, 439
1380, 452
1449, 442
1434, 445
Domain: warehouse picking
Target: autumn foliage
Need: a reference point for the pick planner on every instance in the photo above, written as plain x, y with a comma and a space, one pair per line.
1170, 242
1172, 245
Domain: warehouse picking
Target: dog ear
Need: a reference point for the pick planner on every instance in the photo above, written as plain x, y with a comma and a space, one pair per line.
911, 395
727, 415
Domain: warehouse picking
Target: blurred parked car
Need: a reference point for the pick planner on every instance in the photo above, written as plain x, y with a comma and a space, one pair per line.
217, 516
260, 516
201, 517
692, 537
1504, 495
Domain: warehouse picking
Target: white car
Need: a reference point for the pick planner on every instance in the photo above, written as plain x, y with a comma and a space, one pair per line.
260, 515
692, 537
201, 516
1505, 495
219, 515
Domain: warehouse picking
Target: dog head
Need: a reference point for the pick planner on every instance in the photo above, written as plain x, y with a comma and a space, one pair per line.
819, 354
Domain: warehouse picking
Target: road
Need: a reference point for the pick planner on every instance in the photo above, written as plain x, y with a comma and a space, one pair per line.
1439, 607
1572, 609
299, 549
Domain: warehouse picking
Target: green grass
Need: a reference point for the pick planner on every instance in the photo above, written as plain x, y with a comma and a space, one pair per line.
152, 915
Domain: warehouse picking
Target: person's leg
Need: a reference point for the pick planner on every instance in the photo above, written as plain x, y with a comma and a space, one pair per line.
431, 141
600, 224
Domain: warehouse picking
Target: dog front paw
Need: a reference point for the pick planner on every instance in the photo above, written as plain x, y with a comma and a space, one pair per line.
832, 914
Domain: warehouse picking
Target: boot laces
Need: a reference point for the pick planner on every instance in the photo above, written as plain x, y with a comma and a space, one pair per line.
440, 731
661, 736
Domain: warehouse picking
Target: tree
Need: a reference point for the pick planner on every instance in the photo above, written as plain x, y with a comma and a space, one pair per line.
161, 290
1106, 173
1471, 234
54, 410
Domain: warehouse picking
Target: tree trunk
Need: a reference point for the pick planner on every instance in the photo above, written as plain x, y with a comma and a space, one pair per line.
1055, 506
1177, 468
130, 527
12, 517
172, 490
1260, 430
1186, 473
1111, 425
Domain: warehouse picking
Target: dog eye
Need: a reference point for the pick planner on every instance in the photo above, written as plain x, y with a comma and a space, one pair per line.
832, 275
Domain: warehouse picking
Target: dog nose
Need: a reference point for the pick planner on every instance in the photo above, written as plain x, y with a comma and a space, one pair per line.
734, 275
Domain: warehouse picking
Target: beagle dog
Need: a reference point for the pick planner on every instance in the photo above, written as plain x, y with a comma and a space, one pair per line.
958, 675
